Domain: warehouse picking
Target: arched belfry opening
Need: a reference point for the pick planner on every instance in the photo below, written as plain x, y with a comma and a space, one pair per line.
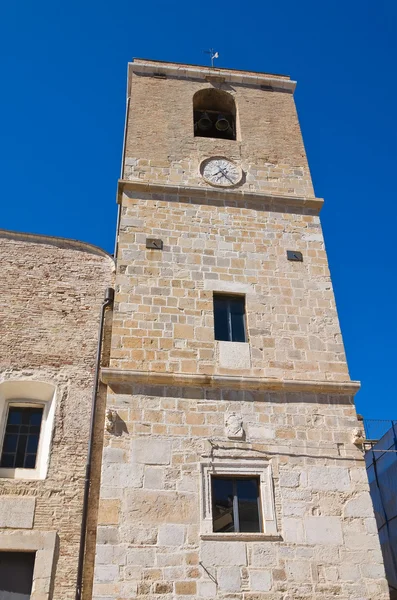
214, 114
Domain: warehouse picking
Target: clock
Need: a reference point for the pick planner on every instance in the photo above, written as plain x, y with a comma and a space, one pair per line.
220, 172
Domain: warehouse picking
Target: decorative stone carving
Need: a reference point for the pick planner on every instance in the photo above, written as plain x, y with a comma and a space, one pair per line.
234, 426
358, 437
110, 421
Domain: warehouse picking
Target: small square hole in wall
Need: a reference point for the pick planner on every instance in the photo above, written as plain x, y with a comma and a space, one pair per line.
154, 244
294, 255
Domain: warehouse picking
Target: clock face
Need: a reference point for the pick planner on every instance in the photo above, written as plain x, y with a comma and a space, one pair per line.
220, 172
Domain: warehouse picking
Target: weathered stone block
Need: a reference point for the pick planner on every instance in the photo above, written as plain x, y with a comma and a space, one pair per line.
323, 530
185, 588
329, 479
106, 573
152, 507
143, 557
117, 475
360, 506
17, 512
108, 512
171, 535
229, 579
234, 355
349, 572
289, 479
151, 451
223, 554
293, 530
154, 478
207, 589
260, 580
263, 555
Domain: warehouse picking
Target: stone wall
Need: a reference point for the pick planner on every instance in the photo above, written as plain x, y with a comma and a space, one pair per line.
164, 308
150, 530
161, 146
51, 297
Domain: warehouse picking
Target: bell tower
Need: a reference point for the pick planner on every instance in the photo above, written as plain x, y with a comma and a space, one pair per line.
229, 469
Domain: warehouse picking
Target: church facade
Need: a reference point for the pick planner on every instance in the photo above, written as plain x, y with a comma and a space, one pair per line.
224, 463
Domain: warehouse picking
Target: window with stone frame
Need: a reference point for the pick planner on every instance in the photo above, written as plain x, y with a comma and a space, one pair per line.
237, 497
236, 504
27, 410
16, 574
229, 318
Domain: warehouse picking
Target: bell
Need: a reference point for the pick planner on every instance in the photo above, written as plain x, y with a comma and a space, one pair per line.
222, 124
204, 123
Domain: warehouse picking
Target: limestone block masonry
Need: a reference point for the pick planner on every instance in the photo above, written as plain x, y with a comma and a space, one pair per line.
51, 296
185, 406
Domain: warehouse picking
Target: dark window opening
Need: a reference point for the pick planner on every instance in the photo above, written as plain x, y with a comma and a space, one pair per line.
214, 114
229, 318
21, 439
16, 575
236, 505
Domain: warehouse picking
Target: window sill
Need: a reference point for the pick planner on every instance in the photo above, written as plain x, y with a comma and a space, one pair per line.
20, 474
242, 537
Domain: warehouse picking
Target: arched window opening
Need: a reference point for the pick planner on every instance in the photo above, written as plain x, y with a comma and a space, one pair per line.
27, 411
214, 113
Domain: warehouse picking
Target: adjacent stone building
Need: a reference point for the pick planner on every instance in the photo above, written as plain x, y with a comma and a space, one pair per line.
52, 291
229, 468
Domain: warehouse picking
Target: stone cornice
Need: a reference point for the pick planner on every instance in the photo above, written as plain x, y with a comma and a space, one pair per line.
218, 194
116, 376
153, 67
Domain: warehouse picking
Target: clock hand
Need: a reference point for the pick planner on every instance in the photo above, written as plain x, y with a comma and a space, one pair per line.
226, 175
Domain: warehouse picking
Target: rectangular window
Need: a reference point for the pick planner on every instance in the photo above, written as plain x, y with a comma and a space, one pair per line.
16, 575
21, 438
236, 505
229, 318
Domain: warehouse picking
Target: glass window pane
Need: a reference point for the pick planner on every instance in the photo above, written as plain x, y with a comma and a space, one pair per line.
7, 461
248, 509
222, 505
238, 329
12, 428
35, 416
33, 442
30, 461
22, 437
237, 305
237, 310
20, 455
10, 442
221, 319
14, 416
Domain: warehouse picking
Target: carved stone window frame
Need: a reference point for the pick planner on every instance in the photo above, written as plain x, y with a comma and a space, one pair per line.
238, 467
43, 543
29, 393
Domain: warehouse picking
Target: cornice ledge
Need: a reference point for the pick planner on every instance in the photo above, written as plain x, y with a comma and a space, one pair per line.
147, 67
221, 194
114, 376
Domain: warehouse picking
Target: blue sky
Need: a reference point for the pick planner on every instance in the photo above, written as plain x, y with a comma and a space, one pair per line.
63, 97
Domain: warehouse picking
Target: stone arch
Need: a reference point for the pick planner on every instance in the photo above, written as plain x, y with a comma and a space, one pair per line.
214, 114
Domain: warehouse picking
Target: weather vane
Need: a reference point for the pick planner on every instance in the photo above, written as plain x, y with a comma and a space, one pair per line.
212, 54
